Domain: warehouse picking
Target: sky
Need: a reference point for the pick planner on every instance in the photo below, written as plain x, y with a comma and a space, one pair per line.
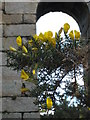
54, 21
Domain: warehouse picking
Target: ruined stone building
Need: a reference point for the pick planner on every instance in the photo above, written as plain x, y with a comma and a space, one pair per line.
19, 18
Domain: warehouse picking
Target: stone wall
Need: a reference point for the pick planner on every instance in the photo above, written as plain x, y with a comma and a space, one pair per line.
16, 19
88, 71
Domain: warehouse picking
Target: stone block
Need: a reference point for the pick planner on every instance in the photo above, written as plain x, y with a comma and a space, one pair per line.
11, 115
11, 19
0, 89
0, 116
0, 43
0, 58
0, 5
20, 104
22, 1
31, 115
9, 41
0, 17
11, 83
1, 30
12, 87
0, 104
20, 7
22, 30
3, 59
7, 72
0, 73
28, 18
6, 42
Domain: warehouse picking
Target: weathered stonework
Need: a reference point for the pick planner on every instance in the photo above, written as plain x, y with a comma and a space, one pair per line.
0, 17
1, 44
7, 42
31, 115
1, 32
19, 18
11, 19
11, 115
0, 6
21, 7
21, 29
11, 83
29, 18
19, 104
3, 60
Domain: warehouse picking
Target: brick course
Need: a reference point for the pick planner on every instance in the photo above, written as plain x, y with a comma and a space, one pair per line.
20, 7
18, 18
21, 29
20, 104
11, 19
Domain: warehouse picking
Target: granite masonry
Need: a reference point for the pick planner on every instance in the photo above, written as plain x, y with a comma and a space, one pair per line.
18, 18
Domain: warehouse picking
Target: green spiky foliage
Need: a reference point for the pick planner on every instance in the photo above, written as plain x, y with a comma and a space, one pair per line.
53, 59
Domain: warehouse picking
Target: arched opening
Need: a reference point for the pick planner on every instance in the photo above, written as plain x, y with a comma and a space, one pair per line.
78, 10
73, 12
53, 21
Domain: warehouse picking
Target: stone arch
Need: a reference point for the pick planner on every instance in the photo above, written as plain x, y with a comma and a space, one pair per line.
78, 10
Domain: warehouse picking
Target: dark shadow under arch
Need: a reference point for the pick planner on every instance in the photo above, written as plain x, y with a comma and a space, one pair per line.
78, 10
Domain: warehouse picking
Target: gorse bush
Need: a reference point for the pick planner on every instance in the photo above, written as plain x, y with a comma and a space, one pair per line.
46, 60
44, 51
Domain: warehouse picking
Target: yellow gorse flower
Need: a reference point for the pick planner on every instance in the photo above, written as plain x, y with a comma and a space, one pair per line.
24, 89
30, 42
49, 102
13, 49
71, 35
74, 35
24, 49
66, 27
24, 75
41, 37
35, 37
56, 35
60, 31
53, 42
88, 108
34, 49
33, 72
46, 37
77, 34
48, 34
19, 41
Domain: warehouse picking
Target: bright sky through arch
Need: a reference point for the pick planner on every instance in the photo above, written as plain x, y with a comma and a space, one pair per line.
53, 21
